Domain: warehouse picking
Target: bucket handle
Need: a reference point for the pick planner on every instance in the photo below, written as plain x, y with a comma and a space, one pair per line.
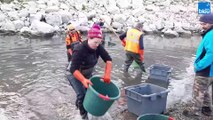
130, 94
163, 94
106, 98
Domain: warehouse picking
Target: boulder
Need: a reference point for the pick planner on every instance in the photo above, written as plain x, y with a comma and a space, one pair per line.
171, 33
39, 28
53, 19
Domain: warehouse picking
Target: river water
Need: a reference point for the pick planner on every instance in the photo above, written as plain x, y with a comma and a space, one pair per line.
33, 84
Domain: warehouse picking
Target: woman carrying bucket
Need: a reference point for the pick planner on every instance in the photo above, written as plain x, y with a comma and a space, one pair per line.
85, 57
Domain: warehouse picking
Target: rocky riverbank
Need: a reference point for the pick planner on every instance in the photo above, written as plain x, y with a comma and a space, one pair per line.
172, 18
174, 111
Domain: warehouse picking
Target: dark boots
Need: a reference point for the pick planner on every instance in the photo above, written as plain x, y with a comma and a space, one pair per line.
126, 68
207, 111
83, 112
143, 68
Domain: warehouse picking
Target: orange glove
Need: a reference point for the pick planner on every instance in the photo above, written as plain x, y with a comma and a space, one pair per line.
123, 42
141, 53
107, 72
69, 51
77, 74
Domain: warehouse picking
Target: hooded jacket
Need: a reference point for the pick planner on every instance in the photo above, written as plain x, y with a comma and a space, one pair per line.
204, 56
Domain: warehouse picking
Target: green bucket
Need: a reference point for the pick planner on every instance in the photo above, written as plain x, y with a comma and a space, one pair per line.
154, 117
100, 96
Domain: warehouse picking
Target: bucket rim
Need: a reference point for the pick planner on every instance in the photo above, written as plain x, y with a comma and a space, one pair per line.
96, 93
153, 114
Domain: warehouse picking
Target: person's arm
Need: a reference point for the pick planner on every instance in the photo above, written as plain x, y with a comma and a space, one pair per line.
68, 45
103, 54
141, 48
108, 60
122, 38
207, 60
78, 75
141, 52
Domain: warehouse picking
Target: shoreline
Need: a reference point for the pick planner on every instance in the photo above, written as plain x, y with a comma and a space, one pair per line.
48, 17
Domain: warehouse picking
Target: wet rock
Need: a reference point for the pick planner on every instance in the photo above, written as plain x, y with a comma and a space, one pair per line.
147, 28
38, 28
170, 33
174, 111
7, 32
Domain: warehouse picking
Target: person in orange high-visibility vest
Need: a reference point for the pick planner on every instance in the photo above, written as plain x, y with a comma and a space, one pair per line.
73, 38
132, 40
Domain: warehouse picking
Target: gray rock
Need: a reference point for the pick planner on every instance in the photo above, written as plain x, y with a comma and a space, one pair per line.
41, 29
124, 4
13, 15
18, 24
52, 2
53, 19
137, 3
64, 6
8, 26
52, 9
147, 28
170, 33
117, 25
2, 16
6, 7
25, 31
23, 13
36, 16
119, 18
66, 16
113, 9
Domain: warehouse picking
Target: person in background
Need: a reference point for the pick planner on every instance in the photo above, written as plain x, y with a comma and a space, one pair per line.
203, 66
85, 57
101, 24
73, 37
132, 40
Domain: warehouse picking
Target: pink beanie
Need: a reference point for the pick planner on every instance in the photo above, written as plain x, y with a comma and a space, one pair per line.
95, 32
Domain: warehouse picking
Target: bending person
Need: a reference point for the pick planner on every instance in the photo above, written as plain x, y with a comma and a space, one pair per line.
85, 57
